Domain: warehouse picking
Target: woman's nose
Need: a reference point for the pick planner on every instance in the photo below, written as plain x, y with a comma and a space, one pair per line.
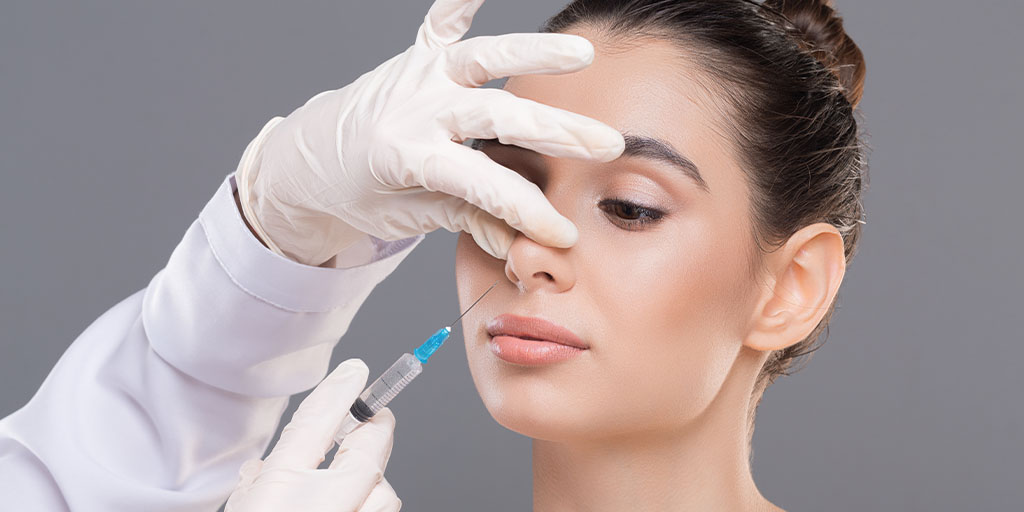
535, 267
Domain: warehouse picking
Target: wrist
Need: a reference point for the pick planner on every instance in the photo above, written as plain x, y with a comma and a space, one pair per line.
339, 245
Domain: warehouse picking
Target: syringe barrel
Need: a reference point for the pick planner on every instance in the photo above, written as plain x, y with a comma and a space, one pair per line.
399, 375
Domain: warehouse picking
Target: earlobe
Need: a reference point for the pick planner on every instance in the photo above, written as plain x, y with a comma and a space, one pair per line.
807, 272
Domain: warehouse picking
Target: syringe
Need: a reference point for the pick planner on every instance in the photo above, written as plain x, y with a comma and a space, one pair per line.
395, 379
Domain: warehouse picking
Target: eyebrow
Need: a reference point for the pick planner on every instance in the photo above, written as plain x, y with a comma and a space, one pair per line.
640, 146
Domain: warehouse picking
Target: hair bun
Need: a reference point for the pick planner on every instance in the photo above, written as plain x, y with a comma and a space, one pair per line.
819, 30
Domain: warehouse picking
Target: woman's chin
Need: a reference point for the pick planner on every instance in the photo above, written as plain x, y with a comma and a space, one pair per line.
540, 423
543, 415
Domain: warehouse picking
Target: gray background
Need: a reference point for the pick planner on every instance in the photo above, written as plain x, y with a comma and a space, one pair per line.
119, 120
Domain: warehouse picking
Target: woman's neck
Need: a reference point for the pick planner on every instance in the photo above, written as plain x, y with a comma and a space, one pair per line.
704, 467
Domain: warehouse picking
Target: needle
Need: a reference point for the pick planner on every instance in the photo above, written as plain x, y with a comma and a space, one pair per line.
474, 304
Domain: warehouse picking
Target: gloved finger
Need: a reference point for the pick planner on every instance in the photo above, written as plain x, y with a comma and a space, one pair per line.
478, 60
307, 437
372, 441
247, 473
382, 499
490, 233
439, 210
498, 190
424, 211
246, 476
499, 114
446, 22
282, 489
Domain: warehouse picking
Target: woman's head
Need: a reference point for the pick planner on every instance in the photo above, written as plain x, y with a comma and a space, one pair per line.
698, 276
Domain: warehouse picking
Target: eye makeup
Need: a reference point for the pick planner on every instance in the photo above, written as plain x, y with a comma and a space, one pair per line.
628, 214
637, 146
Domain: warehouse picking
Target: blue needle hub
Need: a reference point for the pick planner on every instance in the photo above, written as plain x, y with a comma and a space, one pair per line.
427, 349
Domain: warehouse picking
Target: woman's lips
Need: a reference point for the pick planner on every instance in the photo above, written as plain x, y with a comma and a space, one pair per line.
532, 341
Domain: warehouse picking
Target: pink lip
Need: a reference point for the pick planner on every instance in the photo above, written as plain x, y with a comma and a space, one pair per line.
532, 341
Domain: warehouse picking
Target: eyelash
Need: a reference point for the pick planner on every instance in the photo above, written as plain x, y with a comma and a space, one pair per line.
631, 222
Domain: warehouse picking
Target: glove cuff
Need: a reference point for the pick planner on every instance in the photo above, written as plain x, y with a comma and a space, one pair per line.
245, 176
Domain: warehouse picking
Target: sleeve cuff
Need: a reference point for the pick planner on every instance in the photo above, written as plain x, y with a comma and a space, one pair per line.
230, 312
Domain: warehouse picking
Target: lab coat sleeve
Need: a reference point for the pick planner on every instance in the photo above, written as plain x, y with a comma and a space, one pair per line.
158, 402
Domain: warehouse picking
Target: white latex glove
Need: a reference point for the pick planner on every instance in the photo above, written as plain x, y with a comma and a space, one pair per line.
383, 155
289, 479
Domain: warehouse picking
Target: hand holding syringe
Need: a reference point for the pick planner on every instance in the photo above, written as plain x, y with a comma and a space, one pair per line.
394, 379
291, 477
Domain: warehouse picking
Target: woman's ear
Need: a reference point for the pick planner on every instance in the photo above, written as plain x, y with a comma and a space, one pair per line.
804, 276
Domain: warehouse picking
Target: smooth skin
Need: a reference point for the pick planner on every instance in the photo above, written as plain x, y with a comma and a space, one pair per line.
654, 416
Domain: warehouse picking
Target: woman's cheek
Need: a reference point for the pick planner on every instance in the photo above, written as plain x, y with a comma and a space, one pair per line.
670, 330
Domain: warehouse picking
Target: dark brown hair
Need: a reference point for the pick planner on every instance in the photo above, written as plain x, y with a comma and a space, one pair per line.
790, 77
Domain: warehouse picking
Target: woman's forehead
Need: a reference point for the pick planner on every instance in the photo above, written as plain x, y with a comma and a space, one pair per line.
648, 89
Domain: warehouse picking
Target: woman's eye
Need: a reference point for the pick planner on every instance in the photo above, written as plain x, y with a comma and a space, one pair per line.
629, 215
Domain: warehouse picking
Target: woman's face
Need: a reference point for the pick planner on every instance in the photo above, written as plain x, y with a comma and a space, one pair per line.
662, 304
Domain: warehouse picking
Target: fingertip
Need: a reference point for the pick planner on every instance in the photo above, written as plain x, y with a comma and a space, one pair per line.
385, 415
557, 231
606, 142
582, 48
355, 362
615, 150
350, 368
572, 234
489, 247
501, 253
562, 233
250, 469
492, 234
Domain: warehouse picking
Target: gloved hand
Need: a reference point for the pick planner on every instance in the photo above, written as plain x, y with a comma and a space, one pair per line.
289, 478
383, 156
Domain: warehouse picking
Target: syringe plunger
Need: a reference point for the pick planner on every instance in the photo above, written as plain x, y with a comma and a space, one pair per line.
377, 396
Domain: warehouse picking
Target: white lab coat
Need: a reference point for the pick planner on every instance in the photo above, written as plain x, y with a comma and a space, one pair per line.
158, 402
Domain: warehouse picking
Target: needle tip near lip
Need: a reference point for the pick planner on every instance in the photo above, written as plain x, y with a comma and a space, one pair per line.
454, 322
